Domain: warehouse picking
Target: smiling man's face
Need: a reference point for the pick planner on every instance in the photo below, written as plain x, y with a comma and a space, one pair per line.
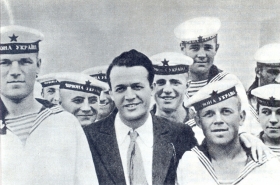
131, 92
220, 122
83, 105
202, 54
170, 91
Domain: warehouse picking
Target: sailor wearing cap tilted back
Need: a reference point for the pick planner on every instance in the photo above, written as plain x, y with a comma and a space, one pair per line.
39, 145
80, 95
221, 158
267, 71
199, 40
268, 108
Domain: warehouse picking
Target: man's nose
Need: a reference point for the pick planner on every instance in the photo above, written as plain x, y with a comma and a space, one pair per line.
102, 98
273, 119
57, 96
218, 119
15, 70
167, 88
201, 54
85, 106
129, 95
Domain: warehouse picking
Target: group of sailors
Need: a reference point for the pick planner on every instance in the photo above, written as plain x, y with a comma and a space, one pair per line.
174, 117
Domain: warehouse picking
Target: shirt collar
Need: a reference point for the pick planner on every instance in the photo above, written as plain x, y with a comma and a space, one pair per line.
145, 131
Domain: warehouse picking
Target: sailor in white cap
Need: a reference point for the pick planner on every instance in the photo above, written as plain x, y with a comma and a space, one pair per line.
268, 107
221, 158
50, 88
199, 40
268, 67
170, 87
106, 104
36, 141
79, 95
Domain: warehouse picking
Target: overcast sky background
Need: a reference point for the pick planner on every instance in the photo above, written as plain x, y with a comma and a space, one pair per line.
84, 34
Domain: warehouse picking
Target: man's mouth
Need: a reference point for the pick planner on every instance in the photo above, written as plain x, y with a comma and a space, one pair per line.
16, 81
131, 105
85, 115
167, 97
274, 128
220, 130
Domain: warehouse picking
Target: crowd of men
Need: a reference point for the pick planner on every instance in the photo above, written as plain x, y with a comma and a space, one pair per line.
171, 118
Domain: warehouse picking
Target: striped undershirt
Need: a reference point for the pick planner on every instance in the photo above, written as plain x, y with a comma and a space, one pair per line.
276, 150
21, 126
196, 86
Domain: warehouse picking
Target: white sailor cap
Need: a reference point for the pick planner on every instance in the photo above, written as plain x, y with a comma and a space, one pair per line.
80, 82
19, 39
171, 63
48, 80
268, 95
198, 30
213, 93
98, 72
268, 55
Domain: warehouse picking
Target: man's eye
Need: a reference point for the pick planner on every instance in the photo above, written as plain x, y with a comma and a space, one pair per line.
273, 71
207, 48
78, 101
161, 82
50, 91
25, 61
137, 87
119, 89
175, 82
5, 62
194, 47
92, 100
208, 114
226, 111
266, 112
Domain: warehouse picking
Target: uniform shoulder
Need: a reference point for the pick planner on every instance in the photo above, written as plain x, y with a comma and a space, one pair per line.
177, 126
106, 122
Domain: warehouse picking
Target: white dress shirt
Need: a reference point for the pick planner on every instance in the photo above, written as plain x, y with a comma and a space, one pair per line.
144, 140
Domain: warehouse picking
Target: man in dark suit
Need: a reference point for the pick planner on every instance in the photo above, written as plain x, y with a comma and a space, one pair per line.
159, 143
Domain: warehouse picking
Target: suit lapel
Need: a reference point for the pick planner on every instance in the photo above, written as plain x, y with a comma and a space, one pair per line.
163, 151
108, 150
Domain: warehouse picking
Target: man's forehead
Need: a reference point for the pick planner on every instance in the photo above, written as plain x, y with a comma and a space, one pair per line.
128, 75
19, 56
72, 93
268, 107
179, 77
52, 87
272, 67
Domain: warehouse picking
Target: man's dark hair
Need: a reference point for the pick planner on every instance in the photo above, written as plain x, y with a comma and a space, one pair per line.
130, 59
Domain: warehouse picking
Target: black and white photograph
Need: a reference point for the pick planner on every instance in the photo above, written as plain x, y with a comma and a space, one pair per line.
138, 92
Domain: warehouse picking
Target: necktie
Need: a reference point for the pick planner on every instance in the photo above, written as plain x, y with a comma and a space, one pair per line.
134, 161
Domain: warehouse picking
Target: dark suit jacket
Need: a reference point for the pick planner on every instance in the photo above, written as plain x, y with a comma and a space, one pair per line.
171, 140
